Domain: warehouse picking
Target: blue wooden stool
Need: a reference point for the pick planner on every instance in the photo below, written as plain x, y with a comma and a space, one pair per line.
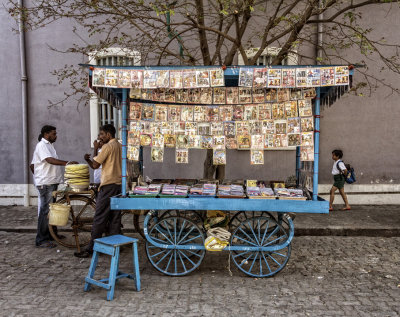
111, 245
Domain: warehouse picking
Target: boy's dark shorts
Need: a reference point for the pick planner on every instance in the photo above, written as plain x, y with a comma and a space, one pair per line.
339, 181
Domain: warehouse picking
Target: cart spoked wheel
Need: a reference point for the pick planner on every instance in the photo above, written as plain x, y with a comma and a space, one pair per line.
260, 232
241, 216
80, 220
189, 214
181, 233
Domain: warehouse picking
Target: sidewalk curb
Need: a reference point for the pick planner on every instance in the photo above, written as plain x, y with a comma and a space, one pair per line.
337, 231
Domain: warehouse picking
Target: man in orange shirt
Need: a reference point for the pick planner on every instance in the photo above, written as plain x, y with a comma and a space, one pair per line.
110, 159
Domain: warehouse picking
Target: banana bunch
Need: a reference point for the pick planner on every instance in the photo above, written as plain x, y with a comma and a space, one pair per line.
77, 174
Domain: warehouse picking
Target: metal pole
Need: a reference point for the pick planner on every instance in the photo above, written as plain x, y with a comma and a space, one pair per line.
298, 165
124, 139
316, 143
24, 100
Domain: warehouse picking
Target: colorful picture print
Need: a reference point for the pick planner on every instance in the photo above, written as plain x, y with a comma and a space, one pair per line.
301, 77
146, 94
187, 113
280, 126
274, 78
137, 78
219, 96
189, 79
181, 95
203, 78
218, 142
280, 140
182, 141
307, 124
217, 128
191, 128
170, 95
194, 141
305, 108
158, 140
135, 126
219, 157
217, 77
157, 154
255, 127
111, 77
169, 140
133, 153
294, 139
313, 77
271, 95
146, 127
135, 111
232, 95
204, 128
206, 142
167, 127
134, 138
257, 142
296, 94
327, 76
244, 141
293, 125
264, 112
174, 113
225, 113
229, 128
231, 142
256, 157
150, 79
179, 127
145, 139
291, 109
175, 79
341, 75
269, 141
212, 114
242, 127
194, 95
307, 138
309, 93
260, 78
135, 93
268, 127
156, 127
259, 95
124, 78
237, 112
157, 94
245, 95
161, 113
206, 95
148, 112
250, 112
283, 95
162, 79
182, 156
99, 77
278, 111
288, 78
307, 153
245, 77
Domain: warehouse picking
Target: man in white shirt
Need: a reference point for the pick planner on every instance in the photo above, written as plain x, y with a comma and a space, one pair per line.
47, 174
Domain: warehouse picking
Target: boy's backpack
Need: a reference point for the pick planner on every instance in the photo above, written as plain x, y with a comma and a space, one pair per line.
350, 178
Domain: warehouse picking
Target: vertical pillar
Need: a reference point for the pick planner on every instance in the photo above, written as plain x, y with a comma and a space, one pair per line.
316, 143
124, 138
298, 165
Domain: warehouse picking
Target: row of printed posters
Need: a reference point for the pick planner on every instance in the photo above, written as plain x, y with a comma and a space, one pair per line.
214, 77
254, 127
222, 95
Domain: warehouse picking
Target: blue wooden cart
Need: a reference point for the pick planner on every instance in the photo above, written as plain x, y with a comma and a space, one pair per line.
262, 230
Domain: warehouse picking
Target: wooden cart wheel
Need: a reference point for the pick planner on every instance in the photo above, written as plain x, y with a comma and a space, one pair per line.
79, 226
244, 215
179, 232
256, 232
190, 214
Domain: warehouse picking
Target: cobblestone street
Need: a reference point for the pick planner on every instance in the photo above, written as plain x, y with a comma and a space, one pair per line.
326, 276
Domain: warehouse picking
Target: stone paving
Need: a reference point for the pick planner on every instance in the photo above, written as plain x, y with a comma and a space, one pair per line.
326, 276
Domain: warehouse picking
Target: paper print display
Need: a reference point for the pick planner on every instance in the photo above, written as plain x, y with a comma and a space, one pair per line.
293, 125
278, 111
307, 138
301, 77
256, 157
283, 95
229, 128
217, 77
148, 111
137, 78
274, 78
280, 126
271, 95
231, 142
219, 157
250, 112
245, 95
157, 140
288, 78
145, 139
179, 127
245, 77
181, 156
206, 95
134, 138
244, 141
124, 78
307, 153
204, 128
111, 78
191, 128
291, 109
203, 78
237, 112
313, 77
307, 124
258, 95
175, 79
264, 112
187, 113
135, 111
133, 153
99, 77
194, 141
294, 139
305, 108
206, 142
150, 79
232, 95
181, 95
341, 75
257, 142
174, 113
189, 79
327, 76
161, 113
267, 127
157, 154
182, 141
225, 113
212, 114
217, 128
200, 113
242, 127
219, 142
169, 140
260, 78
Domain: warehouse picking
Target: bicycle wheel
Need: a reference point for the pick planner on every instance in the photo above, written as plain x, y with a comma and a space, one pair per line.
80, 220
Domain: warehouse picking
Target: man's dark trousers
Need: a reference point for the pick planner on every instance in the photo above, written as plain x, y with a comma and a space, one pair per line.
105, 219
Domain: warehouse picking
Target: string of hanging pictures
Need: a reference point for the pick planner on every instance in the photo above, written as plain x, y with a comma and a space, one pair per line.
270, 109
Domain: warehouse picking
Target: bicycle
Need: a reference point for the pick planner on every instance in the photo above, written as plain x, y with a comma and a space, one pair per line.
77, 232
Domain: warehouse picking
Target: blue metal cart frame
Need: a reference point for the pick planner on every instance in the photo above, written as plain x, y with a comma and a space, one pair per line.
260, 243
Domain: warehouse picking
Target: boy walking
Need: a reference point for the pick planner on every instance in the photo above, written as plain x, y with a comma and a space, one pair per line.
339, 173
